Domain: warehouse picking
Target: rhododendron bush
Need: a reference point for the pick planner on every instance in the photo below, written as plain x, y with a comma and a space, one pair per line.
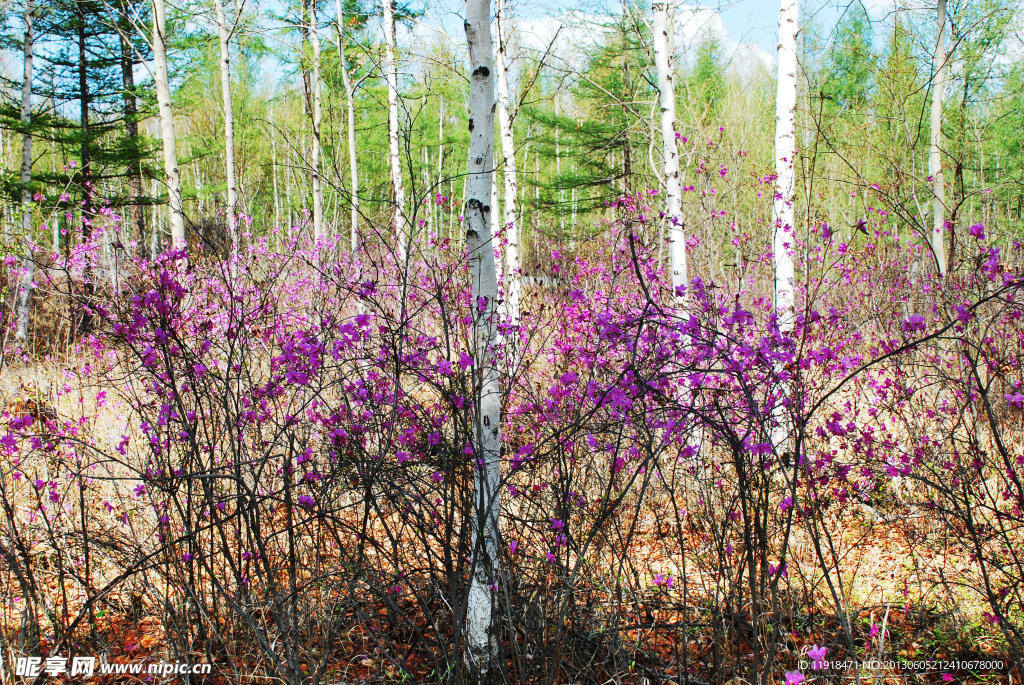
268, 463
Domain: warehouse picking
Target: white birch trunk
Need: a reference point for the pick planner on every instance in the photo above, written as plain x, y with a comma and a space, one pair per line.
353, 165
480, 611
495, 210
513, 287
394, 153
224, 33
167, 136
663, 45
318, 185
784, 211
783, 214
937, 239
440, 165
273, 167
28, 264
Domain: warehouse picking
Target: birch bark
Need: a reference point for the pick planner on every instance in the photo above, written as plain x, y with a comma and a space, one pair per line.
318, 187
937, 238
783, 210
353, 166
131, 124
394, 156
506, 116
167, 135
663, 44
28, 264
783, 213
224, 34
480, 611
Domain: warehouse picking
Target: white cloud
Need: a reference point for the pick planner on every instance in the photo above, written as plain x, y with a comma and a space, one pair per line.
570, 36
695, 24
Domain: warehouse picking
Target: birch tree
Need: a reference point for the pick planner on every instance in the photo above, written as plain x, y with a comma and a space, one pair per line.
937, 240
663, 43
224, 32
28, 265
480, 610
783, 209
506, 116
318, 189
783, 213
131, 122
353, 165
394, 157
167, 136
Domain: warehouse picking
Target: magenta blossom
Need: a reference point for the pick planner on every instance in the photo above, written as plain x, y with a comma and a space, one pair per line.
817, 655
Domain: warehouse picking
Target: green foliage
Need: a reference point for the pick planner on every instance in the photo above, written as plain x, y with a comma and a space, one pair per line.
82, 48
707, 83
586, 132
848, 75
589, 141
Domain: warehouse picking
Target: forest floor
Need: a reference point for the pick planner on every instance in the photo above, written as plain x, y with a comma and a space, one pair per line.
897, 575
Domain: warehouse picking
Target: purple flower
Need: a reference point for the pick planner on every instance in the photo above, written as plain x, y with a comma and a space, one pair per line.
914, 322
991, 267
794, 677
817, 655
306, 501
977, 231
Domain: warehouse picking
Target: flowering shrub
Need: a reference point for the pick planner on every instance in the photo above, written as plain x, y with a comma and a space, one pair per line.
292, 464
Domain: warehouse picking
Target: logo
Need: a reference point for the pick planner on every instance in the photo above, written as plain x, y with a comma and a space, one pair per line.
90, 666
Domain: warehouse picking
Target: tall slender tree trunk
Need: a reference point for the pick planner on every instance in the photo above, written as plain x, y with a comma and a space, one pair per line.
937, 239
627, 164
558, 175
495, 213
783, 214
161, 80
224, 34
318, 183
783, 209
28, 264
480, 611
136, 212
394, 157
350, 107
506, 116
273, 166
663, 46
85, 99
440, 164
